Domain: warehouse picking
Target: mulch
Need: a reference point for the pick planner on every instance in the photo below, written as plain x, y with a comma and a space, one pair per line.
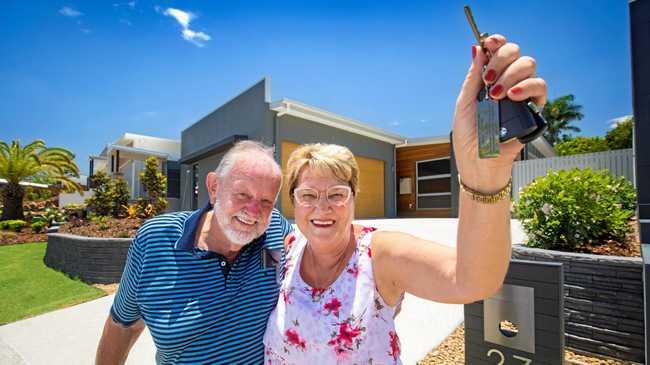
112, 227
26, 236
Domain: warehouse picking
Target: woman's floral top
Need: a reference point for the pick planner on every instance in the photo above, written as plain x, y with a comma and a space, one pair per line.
347, 323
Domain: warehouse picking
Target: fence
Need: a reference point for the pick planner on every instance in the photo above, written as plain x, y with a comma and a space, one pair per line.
619, 162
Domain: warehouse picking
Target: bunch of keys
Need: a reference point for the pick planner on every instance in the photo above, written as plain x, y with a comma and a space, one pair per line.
502, 120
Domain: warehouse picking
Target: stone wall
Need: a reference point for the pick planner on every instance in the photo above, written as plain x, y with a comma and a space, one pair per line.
93, 260
603, 301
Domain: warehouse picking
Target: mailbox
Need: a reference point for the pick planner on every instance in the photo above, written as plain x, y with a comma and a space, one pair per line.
523, 323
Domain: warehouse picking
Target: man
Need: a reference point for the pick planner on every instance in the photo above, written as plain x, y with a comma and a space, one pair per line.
200, 280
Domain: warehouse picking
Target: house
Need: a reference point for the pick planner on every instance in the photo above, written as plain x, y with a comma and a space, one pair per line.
125, 158
286, 124
427, 176
400, 177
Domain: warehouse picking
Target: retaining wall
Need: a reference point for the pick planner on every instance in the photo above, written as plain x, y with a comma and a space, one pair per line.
603, 301
94, 260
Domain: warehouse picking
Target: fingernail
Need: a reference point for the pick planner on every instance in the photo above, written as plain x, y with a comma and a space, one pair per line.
473, 52
496, 90
490, 75
515, 90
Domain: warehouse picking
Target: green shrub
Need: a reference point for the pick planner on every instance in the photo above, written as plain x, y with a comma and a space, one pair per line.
579, 145
15, 225
51, 215
38, 226
621, 135
155, 185
110, 195
566, 209
101, 203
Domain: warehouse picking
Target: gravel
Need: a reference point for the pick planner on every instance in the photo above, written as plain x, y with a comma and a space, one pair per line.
451, 352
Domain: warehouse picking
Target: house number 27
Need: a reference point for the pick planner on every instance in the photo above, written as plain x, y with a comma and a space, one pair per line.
499, 354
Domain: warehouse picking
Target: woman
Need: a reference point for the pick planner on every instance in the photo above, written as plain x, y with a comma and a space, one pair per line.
343, 283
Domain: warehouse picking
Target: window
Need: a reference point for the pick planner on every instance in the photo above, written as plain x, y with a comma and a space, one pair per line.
433, 186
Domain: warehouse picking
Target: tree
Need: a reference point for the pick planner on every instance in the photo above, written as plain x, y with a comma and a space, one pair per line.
579, 145
621, 136
25, 163
155, 185
559, 113
110, 195
120, 196
101, 203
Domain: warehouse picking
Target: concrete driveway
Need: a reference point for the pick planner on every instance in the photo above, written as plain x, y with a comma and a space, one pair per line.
69, 336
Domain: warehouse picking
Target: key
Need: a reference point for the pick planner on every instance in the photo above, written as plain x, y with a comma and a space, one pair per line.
487, 111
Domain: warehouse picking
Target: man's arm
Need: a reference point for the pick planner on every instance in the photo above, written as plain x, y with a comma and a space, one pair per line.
116, 342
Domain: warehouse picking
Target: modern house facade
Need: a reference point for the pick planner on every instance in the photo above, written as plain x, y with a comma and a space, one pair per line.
125, 158
286, 124
399, 177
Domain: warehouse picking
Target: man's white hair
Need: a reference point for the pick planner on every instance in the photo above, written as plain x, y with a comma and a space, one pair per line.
242, 149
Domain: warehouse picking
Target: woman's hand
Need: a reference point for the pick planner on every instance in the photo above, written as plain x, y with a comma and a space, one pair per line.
510, 75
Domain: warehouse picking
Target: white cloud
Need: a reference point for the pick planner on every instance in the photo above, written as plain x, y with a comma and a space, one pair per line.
195, 37
394, 123
184, 18
70, 12
124, 21
614, 122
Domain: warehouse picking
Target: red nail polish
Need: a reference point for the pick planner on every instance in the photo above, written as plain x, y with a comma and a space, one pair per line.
496, 90
473, 52
515, 90
490, 75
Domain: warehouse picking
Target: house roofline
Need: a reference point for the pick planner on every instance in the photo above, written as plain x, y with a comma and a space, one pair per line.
318, 115
421, 141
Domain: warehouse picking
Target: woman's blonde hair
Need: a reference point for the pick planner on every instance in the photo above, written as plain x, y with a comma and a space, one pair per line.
323, 158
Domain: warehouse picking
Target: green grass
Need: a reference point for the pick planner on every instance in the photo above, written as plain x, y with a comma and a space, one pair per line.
28, 287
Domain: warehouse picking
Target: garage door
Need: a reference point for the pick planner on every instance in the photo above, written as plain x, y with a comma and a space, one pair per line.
369, 202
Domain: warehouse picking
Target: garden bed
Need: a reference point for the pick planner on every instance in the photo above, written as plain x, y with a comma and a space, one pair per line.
26, 235
108, 227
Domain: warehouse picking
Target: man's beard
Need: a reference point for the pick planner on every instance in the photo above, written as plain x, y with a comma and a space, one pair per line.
236, 236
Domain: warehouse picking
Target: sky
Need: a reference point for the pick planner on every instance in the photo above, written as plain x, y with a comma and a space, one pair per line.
80, 74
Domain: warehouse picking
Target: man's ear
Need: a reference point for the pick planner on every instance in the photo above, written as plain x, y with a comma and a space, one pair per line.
212, 184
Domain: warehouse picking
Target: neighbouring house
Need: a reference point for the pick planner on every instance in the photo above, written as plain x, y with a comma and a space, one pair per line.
400, 177
427, 178
125, 158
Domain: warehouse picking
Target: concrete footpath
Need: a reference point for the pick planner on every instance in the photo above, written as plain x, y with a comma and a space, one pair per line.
69, 336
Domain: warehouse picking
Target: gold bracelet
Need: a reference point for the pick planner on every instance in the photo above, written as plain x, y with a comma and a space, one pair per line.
487, 198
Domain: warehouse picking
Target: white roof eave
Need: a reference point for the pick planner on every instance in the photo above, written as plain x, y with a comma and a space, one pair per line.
317, 115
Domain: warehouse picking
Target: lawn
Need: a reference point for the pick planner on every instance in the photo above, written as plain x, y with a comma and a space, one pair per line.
28, 287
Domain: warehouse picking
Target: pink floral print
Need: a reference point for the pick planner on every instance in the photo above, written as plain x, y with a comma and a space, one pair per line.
347, 322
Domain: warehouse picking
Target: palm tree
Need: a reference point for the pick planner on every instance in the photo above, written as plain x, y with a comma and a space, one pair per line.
34, 160
559, 114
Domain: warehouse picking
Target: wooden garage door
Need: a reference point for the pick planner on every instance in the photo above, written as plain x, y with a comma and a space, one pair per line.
369, 202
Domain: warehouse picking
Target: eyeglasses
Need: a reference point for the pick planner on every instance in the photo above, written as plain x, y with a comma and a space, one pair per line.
336, 195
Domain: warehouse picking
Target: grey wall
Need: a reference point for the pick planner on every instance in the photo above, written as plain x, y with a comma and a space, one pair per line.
246, 114
92, 259
298, 130
603, 301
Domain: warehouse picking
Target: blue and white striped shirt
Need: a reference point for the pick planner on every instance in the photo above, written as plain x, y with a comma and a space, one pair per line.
197, 309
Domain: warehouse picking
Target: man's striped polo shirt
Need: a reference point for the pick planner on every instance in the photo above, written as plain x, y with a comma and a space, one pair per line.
198, 309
